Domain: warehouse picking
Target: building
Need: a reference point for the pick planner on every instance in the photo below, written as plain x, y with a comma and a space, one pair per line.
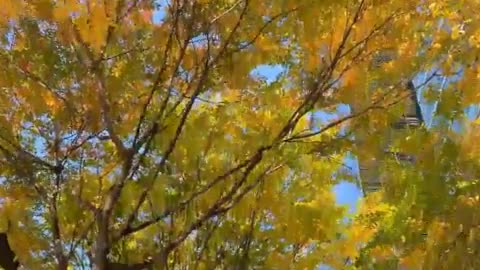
370, 175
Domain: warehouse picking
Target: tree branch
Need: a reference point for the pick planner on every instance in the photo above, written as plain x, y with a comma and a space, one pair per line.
7, 256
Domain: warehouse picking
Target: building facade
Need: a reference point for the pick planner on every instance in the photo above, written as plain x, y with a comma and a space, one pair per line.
370, 167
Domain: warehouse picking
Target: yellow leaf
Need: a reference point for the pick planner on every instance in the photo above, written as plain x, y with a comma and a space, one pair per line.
413, 260
61, 12
99, 23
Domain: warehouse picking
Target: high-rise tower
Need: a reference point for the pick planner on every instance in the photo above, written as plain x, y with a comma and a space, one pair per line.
370, 172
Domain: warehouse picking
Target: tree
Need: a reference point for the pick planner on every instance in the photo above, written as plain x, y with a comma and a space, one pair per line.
432, 220
139, 134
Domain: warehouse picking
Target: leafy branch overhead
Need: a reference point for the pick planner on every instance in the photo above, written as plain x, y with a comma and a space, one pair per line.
140, 134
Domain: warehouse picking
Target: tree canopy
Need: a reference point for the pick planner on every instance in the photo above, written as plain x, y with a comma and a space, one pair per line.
141, 134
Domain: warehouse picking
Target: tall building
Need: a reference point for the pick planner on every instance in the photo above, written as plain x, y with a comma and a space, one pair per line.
370, 172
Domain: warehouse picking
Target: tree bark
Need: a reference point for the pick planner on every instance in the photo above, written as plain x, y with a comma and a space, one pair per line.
7, 257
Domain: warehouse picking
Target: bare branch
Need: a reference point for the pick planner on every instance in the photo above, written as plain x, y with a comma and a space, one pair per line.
225, 12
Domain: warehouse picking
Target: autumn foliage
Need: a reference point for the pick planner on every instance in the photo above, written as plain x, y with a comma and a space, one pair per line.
140, 134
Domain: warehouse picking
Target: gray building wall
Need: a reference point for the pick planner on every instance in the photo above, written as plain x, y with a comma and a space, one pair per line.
370, 165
